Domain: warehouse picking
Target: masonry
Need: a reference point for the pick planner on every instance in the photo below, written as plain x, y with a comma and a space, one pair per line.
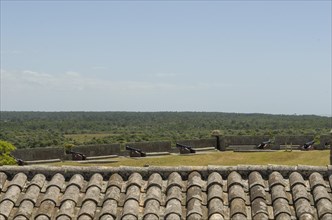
161, 146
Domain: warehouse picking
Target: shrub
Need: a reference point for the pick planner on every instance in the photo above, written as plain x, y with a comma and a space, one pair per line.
5, 157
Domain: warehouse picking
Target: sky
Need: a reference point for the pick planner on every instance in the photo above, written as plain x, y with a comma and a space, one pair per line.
223, 56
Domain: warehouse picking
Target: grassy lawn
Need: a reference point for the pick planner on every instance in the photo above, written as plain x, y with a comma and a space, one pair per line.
315, 158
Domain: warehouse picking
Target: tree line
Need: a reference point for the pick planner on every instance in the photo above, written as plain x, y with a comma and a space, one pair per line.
42, 129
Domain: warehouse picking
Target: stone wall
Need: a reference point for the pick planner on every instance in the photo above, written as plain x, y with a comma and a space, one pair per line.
44, 153
243, 140
211, 142
157, 146
162, 146
294, 140
98, 150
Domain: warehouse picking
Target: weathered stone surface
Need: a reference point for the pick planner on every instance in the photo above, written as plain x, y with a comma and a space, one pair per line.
304, 209
109, 209
174, 179
259, 206
234, 178
131, 209
276, 178
173, 206
257, 191
295, 178
215, 191
214, 178
174, 193
3, 178
238, 206
255, 178
216, 207
88, 210
153, 193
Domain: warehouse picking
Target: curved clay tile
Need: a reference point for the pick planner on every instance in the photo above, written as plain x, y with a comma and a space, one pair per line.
193, 193
135, 179
96, 180
304, 209
45, 210
173, 209
109, 210
153, 193
254, 179
276, 178
214, 178
87, 210
130, 209
25, 210
216, 208
259, 208
238, 207
115, 180
76, 180
234, 178
57, 180
18, 180
152, 209
174, 179
155, 180
215, 191
3, 178
281, 208
295, 178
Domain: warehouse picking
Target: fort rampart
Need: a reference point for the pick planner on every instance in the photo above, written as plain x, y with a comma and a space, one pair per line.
164, 146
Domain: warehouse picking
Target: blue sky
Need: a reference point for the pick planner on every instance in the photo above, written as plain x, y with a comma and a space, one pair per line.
243, 56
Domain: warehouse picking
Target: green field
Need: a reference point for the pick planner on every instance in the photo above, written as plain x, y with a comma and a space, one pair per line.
314, 158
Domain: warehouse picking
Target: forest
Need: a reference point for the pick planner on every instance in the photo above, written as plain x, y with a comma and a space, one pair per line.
43, 129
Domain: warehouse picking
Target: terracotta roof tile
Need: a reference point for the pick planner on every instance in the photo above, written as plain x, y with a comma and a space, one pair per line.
212, 192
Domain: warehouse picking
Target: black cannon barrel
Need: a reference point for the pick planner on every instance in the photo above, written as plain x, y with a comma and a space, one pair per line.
134, 152
264, 144
19, 162
76, 155
185, 147
182, 146
267, 142
308, 145
133, 149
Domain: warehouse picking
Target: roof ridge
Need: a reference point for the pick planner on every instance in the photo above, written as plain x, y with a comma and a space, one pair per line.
164, 171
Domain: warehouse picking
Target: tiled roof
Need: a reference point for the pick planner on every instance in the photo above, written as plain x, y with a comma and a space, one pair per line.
194, 193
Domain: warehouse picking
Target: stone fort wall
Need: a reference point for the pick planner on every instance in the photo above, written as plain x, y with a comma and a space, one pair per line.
162, 146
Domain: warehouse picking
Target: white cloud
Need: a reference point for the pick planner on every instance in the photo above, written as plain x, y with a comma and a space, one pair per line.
74, 81
24, 90
73, 74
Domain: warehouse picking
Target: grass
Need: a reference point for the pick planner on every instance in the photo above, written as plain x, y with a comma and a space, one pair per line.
314, 158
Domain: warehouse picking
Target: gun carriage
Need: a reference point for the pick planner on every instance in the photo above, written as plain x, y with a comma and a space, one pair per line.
134, 152
184, 149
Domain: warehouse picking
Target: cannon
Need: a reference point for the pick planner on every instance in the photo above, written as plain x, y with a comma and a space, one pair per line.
184, 149
19, 162
308, 146
264, 144
134, 152
76, 155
